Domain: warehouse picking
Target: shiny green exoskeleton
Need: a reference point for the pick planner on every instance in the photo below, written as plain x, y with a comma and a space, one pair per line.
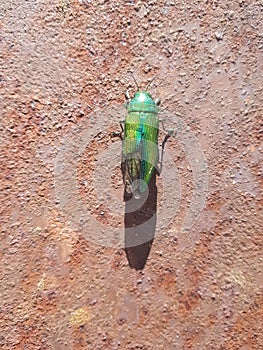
140, 143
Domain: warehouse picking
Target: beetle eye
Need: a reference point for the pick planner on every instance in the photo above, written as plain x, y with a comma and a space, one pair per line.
158, 102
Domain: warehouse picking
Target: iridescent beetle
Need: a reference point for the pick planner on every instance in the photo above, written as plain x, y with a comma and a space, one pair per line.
140, 154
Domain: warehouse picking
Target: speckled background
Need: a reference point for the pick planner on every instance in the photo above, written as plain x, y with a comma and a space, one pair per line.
64, 69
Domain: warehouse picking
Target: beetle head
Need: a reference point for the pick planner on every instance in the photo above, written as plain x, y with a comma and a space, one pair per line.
142, 101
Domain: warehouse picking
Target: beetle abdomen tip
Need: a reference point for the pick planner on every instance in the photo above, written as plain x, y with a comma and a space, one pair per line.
137, 195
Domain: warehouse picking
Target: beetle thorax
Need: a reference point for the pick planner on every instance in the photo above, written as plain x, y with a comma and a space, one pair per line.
142, 101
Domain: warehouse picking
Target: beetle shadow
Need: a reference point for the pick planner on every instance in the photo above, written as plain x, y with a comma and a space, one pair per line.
140, 219
140, 224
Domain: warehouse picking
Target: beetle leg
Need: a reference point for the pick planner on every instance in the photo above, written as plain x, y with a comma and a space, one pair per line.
115, 134
159, 168
121, 125
128, 99
127, 95
169, 131
157, 102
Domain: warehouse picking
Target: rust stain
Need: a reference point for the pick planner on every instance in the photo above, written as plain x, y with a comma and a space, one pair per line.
60, 62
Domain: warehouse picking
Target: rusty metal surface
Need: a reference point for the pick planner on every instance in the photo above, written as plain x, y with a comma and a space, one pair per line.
195, 280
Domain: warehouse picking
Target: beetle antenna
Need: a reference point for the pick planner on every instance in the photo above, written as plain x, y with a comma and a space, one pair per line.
134, 81
148, 85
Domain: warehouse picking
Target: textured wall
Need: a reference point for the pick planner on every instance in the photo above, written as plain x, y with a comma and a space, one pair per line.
66, 281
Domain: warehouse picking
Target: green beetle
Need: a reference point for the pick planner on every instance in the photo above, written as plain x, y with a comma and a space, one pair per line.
140, 154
